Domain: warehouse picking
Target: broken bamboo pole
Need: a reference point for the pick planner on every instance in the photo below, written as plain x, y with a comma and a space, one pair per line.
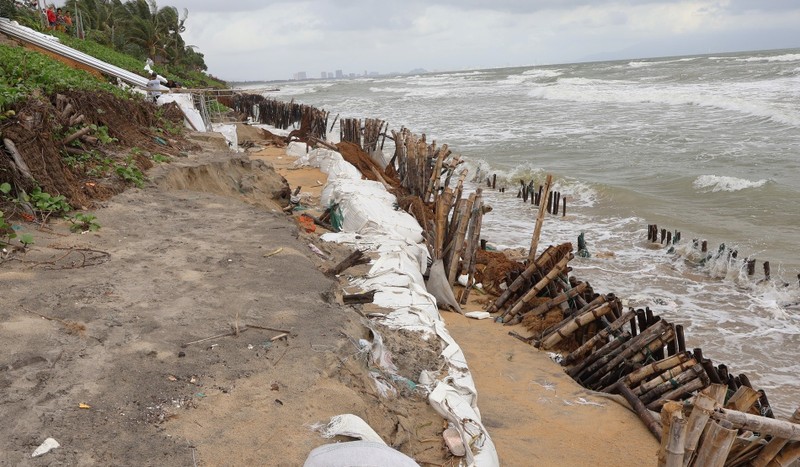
676, 440
717, 442
611, 347
701, 411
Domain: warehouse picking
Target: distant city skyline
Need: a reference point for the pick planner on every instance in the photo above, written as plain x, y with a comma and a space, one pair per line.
238, 44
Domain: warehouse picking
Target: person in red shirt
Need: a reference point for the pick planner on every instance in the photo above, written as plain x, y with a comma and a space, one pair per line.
51, 17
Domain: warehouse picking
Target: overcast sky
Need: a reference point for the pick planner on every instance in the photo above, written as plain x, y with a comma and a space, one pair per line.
272, 40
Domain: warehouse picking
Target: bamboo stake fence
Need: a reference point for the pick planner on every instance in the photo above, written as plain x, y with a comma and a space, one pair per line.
708, 416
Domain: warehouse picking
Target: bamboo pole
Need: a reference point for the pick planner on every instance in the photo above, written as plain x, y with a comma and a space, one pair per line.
587, 346
670, 410
608, 363
771, 450
743, 399
787, 457
611, 347
474, 245
680, 379
632, 356
701, 411
572, 326
633, 378
571, 294
716, 445
676, 440
458, 241
694, 385
545, 258
649, 420
559, 299
755, 423
536, 289
537, 230
666, 377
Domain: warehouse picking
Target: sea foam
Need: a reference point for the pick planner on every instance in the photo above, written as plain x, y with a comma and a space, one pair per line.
717, 183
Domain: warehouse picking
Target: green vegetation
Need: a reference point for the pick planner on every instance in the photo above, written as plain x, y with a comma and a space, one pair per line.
45, 204
83, 223
125, 34
23, 72
130, 173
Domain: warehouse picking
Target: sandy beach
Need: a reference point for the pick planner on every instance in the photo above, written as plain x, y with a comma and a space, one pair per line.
96, 328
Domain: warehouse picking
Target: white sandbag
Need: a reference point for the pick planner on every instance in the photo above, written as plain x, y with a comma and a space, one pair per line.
439, 287
352, 426
229, 132
358, 454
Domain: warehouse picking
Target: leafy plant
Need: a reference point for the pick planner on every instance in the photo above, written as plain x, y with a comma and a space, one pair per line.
26, 240
48, 204
83, 223
130, 173
101, 132
6, 230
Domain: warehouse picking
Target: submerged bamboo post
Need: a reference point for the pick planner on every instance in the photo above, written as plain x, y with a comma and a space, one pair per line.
775, 445
537, 230
716, 445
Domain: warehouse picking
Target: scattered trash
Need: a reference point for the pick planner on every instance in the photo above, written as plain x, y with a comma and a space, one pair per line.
556, 357
306, 223
452, 439
172, 378
478, 314
84, 406
48, 445
273, 253
200, 395
250, 347
181, 354
317, 251
274, 387
278, 401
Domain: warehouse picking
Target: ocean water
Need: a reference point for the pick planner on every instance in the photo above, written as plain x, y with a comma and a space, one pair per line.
705, 145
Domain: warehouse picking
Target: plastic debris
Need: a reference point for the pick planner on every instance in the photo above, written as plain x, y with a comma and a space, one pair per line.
48, 445
453, 441
478, 314
352, 426
357, 453
84, 406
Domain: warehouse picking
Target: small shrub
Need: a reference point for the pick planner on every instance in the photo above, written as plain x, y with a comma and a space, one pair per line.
83, 223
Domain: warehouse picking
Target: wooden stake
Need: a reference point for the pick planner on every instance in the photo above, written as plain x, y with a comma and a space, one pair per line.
649, 420
539, 221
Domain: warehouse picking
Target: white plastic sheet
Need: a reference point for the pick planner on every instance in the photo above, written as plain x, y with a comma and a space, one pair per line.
184, 101
371, 222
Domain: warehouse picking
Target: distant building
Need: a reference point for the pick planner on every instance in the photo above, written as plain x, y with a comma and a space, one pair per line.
299, 75
330, 75
323, 75
339, 74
